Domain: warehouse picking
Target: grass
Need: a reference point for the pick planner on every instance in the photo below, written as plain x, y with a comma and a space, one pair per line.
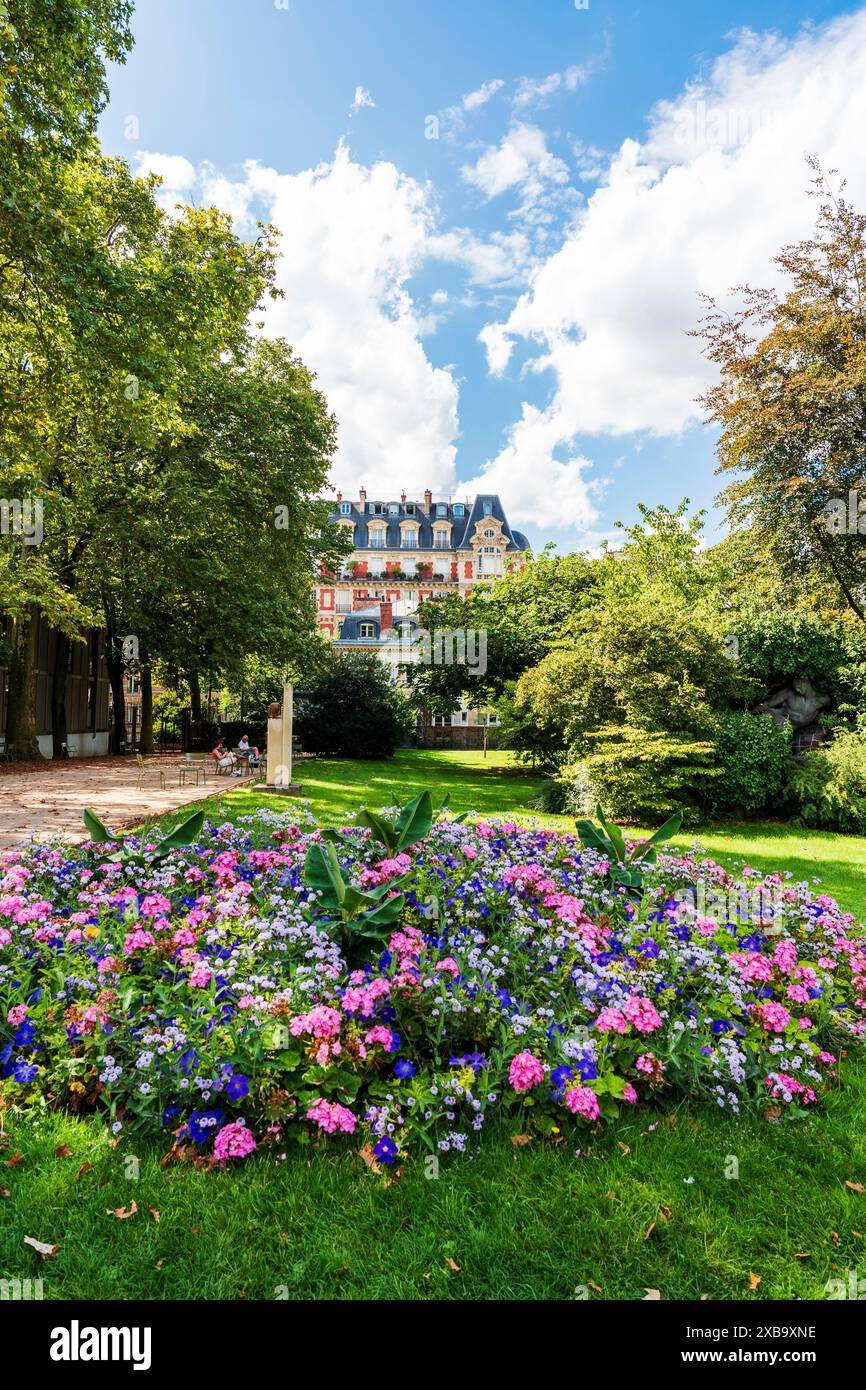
529, 1221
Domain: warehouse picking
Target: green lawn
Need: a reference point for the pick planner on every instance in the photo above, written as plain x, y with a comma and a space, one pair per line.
526, 1222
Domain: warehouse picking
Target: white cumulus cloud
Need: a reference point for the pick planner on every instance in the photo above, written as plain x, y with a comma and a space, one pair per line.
702, 204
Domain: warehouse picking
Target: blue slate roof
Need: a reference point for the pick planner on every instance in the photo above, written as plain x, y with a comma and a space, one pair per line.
462, 527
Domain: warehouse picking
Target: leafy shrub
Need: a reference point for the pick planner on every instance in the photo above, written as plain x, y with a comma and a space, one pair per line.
754, 756
828, 789
641, 774
352, 709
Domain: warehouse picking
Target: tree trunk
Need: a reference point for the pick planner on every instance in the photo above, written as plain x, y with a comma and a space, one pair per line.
22, 744
145, 737
117, 684
194, 697
59, 676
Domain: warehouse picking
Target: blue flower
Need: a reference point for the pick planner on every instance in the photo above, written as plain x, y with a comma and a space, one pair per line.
385, 1149
404, 1070
237, 1087
24, 1073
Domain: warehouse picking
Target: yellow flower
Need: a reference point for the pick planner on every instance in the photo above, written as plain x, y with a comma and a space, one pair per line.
76, 1086
91, 933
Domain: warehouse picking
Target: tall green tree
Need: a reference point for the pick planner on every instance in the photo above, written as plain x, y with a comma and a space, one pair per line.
791, 404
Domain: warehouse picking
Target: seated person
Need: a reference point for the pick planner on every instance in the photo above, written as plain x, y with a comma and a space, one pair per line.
244, 747
222, 756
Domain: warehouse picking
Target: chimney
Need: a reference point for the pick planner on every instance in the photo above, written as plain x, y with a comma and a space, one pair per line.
362, 497
402, 497
428, 499
339, 496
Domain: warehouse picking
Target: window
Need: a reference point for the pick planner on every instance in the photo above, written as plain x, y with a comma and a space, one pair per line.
377, 537
441, 509
345, 509
410, 539
489, 534
487, 508
367, 630
441, 541
458, 508
410, 508
394, 508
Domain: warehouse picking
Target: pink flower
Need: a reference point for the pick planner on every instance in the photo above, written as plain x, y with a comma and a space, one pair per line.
611, 1021
332, 1118
642, 1014
137, 940
321, 1021
233, 1141
155, 905
629, 1094
772, 1016
525, 1072
448, 966
582, 1100
380, 1034
200, 977
17, 1015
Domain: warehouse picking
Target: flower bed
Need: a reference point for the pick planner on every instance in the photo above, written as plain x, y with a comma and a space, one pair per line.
206, 995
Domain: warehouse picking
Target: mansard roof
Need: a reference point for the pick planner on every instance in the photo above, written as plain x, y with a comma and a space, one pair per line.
392, 514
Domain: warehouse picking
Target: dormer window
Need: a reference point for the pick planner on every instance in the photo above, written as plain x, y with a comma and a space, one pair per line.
345, 509
487, 508
366, 630
441, 509
377, 537
489, 534
458, 508
441, 538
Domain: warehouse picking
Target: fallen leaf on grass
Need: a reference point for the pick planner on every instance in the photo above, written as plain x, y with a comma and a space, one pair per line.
159, 1264
46, 1251
754, 1281
773, 1113
652, 1296
4, 1192
63, 1151
649, 1230
597, 1287
665, 1213
452, 1265
802, 1254
855, 1186
154, 1213
16, 1158
370, 1158
834, 1237
518, 1140
85, 1168
121, 1213
625, 1148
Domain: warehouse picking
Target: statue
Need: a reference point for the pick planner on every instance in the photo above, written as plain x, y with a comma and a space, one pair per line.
798, 704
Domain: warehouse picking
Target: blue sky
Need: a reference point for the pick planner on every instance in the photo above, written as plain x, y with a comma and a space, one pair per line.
497, 215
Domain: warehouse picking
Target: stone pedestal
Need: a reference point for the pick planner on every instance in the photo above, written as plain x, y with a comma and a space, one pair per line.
279, 754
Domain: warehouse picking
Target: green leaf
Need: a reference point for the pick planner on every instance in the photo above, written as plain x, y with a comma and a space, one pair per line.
664, 832
323, 874
98, 832
182, 835
415, 820
382, 830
